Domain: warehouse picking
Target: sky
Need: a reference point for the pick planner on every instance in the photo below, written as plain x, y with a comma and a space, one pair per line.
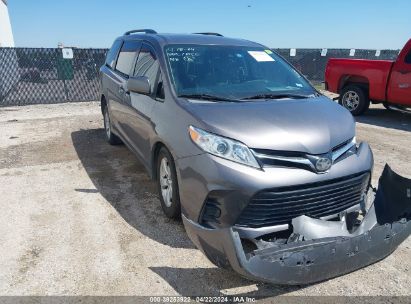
372, 24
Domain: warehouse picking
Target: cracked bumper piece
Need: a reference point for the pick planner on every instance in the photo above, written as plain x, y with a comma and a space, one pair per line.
318, 254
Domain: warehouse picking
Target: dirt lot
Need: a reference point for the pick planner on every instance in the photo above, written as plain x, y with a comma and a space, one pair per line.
80, 217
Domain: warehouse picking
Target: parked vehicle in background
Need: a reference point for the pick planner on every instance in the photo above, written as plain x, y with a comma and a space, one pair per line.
264, 170
360, 81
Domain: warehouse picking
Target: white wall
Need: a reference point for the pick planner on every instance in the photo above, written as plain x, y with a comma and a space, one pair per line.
6, 35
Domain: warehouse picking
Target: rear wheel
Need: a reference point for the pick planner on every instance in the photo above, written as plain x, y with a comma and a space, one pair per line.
111, 138
167, 184
354, 99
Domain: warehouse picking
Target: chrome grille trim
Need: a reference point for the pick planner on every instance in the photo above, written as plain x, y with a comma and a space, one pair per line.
306, 159
341, 151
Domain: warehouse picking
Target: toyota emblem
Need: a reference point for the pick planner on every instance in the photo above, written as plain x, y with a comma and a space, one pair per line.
323, 164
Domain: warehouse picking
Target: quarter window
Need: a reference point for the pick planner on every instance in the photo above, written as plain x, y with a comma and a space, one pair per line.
126, 56
160, 88
408, 58
147, 65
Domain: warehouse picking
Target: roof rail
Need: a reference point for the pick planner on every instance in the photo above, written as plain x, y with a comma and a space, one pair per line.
209, 34
145, 31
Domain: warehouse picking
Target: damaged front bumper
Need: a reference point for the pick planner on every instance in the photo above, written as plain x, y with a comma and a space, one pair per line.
319, 249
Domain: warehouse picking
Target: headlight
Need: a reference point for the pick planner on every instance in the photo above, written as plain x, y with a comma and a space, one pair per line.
223, 147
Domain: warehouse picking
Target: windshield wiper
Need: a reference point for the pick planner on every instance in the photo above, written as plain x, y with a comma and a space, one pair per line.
207, 97
277, 96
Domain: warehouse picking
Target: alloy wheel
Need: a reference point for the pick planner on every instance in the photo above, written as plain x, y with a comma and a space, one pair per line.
351, 100
166, 182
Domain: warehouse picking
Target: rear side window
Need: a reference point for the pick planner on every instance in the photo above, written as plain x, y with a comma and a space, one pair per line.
126, 56
408, 58
112, 54
147, 65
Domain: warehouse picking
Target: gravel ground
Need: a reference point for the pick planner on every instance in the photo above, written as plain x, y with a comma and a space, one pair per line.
81, 217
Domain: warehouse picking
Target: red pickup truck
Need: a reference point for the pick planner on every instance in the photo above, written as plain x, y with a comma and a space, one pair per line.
360, 81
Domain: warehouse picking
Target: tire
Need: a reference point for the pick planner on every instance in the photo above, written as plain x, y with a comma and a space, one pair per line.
111, 138
167, 178
354, 99
386, 105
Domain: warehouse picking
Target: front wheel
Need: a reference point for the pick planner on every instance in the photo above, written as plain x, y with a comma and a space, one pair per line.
354, 99
167, 184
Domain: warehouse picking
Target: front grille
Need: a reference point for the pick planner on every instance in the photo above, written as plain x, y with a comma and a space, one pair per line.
280, 205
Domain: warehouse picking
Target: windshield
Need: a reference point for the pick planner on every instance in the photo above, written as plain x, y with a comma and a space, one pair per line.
232, 72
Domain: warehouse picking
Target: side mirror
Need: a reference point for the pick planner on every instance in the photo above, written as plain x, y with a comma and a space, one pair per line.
139, 84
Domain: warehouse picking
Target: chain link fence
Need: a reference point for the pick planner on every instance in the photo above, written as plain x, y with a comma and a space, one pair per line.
312, 62
33, 75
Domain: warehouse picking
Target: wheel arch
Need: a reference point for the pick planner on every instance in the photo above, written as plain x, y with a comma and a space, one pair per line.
356, 80
154, 153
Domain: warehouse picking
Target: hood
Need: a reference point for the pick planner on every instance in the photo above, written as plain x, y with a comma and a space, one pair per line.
312, 125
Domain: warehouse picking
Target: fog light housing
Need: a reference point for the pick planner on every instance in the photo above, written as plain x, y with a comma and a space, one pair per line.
211, 212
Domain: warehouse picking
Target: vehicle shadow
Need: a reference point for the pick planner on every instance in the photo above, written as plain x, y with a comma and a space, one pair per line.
190, 282
377, 115
119, 177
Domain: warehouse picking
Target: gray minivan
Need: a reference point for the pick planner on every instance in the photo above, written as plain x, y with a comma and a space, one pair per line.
264, 170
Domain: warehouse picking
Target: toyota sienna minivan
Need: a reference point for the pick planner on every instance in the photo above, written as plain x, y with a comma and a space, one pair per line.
264, 170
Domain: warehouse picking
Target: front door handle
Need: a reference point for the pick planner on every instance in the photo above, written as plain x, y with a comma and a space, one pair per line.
404, 72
